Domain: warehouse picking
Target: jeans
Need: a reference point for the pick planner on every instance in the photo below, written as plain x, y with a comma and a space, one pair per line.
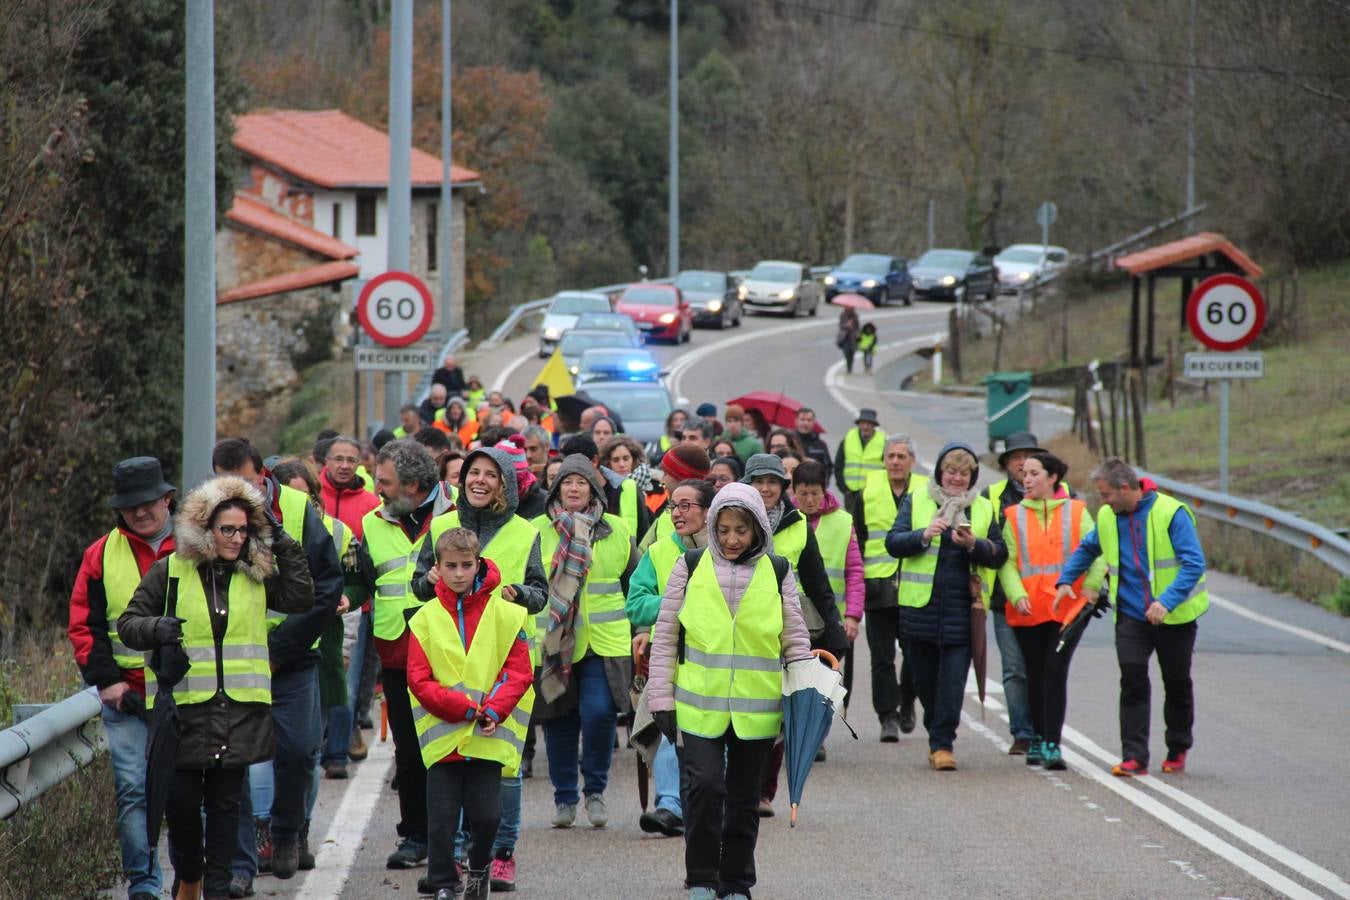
342, 718
126, 744
369, 671
299, 736
722, 821
1136, 641
882, 627
666, 776
201, 853
412, 774
508, 831
595, 721
940, 677
1047, 676
471, 788
1014, 679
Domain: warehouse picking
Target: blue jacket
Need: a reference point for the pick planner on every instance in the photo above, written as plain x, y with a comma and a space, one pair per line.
1133, 590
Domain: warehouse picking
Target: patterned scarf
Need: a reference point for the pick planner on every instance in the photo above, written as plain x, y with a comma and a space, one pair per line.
952, 506
570, 565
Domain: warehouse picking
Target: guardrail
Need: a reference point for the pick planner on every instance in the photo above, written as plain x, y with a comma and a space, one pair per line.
42, 751
1296, 531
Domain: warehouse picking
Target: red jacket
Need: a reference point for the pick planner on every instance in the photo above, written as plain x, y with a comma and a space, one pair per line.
347, 504
515, 678
88, 623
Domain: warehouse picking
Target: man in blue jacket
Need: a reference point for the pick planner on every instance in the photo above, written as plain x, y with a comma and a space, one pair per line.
1157, 583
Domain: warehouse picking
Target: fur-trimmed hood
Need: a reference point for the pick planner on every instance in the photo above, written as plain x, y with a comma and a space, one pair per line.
194, 542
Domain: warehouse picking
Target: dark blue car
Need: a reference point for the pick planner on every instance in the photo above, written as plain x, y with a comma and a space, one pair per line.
876, 277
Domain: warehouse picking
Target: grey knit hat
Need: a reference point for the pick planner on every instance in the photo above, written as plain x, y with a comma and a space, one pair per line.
764, 464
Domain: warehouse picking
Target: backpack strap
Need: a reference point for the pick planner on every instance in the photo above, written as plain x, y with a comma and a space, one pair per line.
691, 559
780, 568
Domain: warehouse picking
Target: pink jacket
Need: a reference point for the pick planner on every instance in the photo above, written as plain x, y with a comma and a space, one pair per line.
853, 563
732, 577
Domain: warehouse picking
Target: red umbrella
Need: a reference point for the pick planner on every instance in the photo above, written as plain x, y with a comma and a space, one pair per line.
778, 409
853, 301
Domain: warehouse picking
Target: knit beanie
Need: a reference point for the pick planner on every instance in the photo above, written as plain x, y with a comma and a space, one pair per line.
686, 461
514, 447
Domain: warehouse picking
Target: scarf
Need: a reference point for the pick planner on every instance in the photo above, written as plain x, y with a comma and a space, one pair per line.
952, 507
776, 515
570, 565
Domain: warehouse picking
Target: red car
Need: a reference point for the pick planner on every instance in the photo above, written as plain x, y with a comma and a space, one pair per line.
660, 311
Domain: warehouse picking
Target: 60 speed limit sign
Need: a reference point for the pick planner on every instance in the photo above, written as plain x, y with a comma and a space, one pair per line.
1226, 312
395, 308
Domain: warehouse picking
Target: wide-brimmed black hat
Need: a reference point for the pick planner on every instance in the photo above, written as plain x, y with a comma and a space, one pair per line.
138, 480
1018, 440
867, 414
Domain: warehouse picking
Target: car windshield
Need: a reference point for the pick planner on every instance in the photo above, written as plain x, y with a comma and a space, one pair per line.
866, 264
775, 272
1020, 255
633, 404
649, 296
575, 306
573, 342
701, 281
593, 321
945, 259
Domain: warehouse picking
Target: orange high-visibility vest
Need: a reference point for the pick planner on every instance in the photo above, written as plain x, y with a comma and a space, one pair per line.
1040, 553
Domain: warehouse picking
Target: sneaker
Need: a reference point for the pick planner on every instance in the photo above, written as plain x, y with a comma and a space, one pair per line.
1035, 751
596, 812
477, 885
1019, 747
942, 761
1053, 758
410, 854
335, 770
262, 836
820, 753
306, 858
503, 875
285, 856
890, 730
240, 886
565, 816
661, 821
357, 749
1128, 768
907, 721
1175, 763
765, 808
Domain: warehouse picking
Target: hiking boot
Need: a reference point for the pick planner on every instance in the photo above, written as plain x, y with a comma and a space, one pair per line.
262, 842
765, 808
596, 812
1052, 757
907, 717
187, 890
335, 770
942, 760
424, 883
358, 750
565, 816
1035, 752
285, 856
477, 885
890, 729
1019, 747
820, 753
306, 858
410, 854
661, 821
240, 886
503, 875
1128, 768
1175, 763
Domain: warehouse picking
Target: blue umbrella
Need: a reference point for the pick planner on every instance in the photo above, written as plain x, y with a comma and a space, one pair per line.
811, 696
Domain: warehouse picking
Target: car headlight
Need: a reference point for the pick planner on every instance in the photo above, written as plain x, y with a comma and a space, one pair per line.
742, 291
829, 280
787, 295
870, 283
667, 318
552, 334
1023, 276
714, 305
948, 280
573, 369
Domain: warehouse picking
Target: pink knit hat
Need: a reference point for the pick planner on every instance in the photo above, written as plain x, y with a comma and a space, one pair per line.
514, 447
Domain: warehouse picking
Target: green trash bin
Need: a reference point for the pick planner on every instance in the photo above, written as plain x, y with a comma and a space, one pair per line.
1007, 404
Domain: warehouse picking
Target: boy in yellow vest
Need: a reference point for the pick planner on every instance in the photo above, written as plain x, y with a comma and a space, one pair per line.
471, 686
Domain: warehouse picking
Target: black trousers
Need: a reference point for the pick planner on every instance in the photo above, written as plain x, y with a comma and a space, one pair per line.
721, 813
472, 787
412, 775
1047, 675
1136, 641
198, 854
882, 627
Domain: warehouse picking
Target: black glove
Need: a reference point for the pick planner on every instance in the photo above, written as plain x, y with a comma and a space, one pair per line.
520, 594
665, 723
168, 630
134, 704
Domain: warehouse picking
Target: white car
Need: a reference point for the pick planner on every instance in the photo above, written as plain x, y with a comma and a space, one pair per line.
562, 315
778, 286
1021, 265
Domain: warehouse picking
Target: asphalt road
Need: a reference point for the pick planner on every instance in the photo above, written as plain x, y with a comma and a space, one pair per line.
1263, 809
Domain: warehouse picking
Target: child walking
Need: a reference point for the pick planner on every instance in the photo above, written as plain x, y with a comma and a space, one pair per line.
867, 345
471, 682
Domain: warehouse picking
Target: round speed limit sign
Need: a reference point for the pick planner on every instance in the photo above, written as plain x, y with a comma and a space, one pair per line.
395, 309
1226, 312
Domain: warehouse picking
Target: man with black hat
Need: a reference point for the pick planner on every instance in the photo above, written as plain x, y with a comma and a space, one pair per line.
111, 569
1017, 449
859, 452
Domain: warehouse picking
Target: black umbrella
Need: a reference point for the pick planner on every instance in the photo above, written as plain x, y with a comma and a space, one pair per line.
571, 406
170, 664
1089, 610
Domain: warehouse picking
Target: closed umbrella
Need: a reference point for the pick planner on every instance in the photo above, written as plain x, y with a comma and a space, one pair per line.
170, 664
979, 648
1079, 621
812, 694
853, 301
777, 408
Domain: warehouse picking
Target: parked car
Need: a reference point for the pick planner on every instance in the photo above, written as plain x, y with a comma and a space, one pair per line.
576, 342
616, 364
563, 312
712, 296
643, 406
660, 311
610, 322
953, 275
876, 277
1022, 264
778, 286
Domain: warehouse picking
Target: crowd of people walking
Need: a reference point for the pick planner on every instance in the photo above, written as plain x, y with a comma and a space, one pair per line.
496, 572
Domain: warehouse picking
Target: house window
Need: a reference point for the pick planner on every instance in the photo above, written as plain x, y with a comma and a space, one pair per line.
433, 233
337, 221
365, 214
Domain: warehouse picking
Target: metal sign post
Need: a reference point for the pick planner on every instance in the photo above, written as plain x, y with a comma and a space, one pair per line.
1046, 214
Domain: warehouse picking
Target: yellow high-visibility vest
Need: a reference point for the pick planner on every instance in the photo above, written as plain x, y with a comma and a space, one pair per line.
1163, 566
628, 504
879, 510
342, 541
916, 576
393, 555
861, 459
601, 622
509, 549
832, 534
121, 577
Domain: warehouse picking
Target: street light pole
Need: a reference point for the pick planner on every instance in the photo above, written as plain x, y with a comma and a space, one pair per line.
674, 237
400, 174
446, 211
199, 245
1190, 127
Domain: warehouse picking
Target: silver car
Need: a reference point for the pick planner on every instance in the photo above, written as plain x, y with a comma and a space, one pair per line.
1021, 265
778, 286
562, 315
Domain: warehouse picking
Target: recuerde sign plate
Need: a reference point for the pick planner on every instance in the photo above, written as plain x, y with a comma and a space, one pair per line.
1226, 312
395, 309
393, 359
1225, 365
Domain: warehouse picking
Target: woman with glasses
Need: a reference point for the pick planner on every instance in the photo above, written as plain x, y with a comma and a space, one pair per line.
211, 597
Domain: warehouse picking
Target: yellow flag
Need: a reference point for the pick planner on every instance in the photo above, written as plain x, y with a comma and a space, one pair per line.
555, 377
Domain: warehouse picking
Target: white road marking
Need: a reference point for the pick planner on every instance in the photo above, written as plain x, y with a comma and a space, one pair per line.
337, 854
1246, 613
500, 383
